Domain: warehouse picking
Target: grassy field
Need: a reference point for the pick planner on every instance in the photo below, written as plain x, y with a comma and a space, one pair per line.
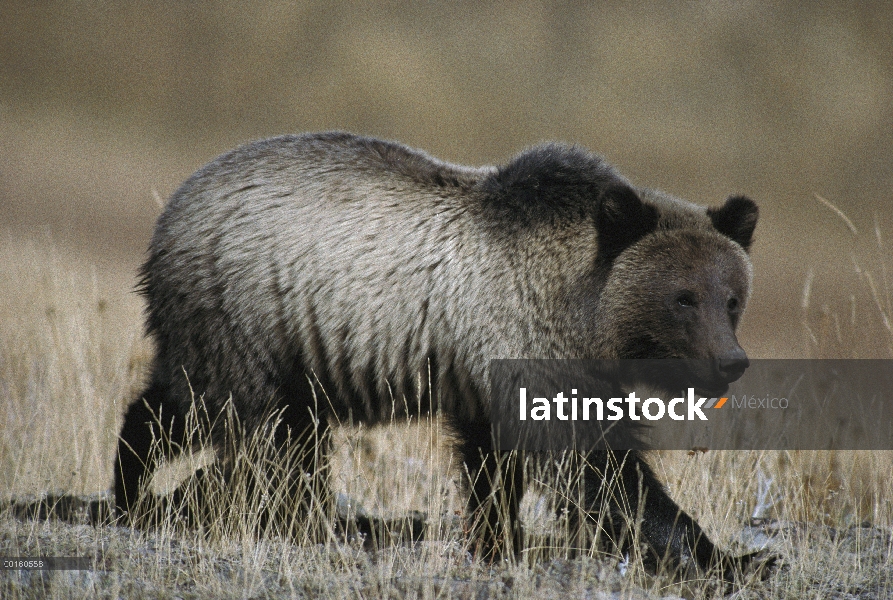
73, 355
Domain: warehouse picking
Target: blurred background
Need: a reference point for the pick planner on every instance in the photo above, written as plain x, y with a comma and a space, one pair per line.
105, 107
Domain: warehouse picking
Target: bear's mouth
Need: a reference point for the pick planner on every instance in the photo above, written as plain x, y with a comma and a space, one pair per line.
677, 376
715, 391
708, 380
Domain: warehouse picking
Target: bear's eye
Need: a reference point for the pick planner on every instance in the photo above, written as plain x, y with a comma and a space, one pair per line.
686, 300
732, 304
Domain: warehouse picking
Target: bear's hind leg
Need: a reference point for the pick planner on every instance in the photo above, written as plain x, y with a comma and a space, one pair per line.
153, 428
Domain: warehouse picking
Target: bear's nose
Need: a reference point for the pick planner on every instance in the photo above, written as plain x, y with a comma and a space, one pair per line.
733, 368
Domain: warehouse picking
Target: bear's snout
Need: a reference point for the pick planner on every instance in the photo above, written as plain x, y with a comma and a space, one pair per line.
733, 367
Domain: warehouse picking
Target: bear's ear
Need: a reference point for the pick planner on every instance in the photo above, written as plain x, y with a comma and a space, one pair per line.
622, 220
736, 219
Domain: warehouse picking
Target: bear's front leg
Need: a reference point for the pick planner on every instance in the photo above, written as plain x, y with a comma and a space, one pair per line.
674, 538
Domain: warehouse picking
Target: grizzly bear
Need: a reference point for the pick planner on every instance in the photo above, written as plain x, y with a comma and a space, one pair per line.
358, 270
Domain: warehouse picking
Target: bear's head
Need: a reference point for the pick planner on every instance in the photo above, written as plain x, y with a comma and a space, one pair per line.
678, 278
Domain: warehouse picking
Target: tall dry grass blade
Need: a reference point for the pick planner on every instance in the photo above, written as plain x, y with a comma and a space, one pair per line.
885, 274
878, 301
839, 213
807, 288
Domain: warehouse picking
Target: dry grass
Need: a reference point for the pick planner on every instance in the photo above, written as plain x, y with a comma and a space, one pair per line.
72, 355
